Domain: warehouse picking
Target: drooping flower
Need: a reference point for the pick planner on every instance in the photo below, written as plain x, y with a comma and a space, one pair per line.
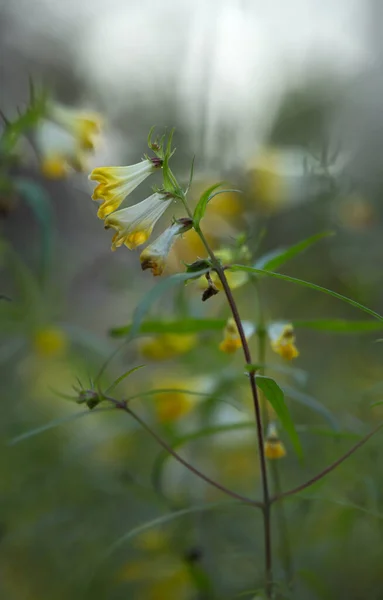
134, 224
82, 125
167, 345
116, 183
282, 339
58, 151
274, 447
154, 256
231, 340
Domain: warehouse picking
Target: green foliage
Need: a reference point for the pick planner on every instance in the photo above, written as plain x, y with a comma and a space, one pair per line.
179, 326
275, 259
307, 284
200, 209
275, 396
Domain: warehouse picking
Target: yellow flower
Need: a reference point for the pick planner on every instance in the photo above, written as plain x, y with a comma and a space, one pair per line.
154, 255
116, 183
173, 405
163, 578
134, 224
282, 340
274, 448
50, 341
231, 341
83, 126
167, 345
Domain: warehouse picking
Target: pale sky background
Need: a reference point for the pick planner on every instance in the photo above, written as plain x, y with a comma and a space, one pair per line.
228, 60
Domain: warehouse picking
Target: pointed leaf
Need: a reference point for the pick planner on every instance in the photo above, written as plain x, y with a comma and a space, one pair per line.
275, 396
275, 259
307, 284
339, 325
175, 326
200, 209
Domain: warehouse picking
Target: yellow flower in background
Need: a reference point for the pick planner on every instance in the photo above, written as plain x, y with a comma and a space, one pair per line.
231, 341
116, 183
82, 125
167, 345
274, 448
58, 151
282, 339
235, 279
171, 406
49, 342
134, 224
278, 178
163, 578
154, 256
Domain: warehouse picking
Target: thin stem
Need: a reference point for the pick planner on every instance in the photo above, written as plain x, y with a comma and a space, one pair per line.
188, 465
328, 469
257, 410
274, 466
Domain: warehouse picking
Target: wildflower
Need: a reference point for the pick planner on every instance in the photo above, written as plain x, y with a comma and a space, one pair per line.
282, 340
231, 341
58, 151
167, 345
116, 183
172, 405
154, 255
83, 126
50, 341
134, 224
274, 448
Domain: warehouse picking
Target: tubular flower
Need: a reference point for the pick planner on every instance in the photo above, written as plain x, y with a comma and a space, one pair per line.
167, 345
154, 255
83, 126
231, 341
282, 340
274, 448
58, 151
134, 224
116, 183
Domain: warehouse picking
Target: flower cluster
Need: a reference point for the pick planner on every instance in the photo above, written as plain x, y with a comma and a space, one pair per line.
134, 224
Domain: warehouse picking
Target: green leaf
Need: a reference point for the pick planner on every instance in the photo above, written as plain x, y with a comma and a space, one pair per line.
307, 284
312, 403
182, 326
200, 209
55, 423
122, 377
275, 396
154, 294
339, 325
275, 259
168, 518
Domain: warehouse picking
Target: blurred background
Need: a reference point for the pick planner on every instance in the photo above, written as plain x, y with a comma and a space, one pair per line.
284, 100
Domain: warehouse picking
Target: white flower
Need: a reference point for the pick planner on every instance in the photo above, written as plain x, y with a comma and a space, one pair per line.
82, 125
58, 150
154, 255
116, 183
134, 224
282, 339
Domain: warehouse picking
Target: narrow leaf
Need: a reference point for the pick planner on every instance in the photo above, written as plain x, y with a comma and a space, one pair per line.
174, 326
339, 325
200, 209
307, 284
122, 377
275, 396
171, 517
312, 403
275, 259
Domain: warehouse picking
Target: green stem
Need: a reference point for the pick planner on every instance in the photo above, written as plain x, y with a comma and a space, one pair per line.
275, 474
